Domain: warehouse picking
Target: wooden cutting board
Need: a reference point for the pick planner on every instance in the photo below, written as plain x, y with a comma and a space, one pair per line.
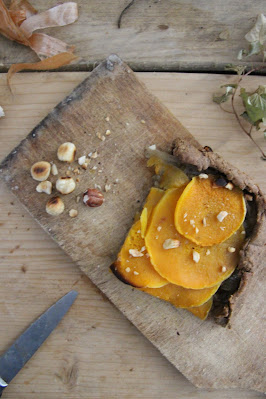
207, 354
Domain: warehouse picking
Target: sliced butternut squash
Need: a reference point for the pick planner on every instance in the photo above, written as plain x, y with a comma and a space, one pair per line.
207, 214
153, 198
202, 311
170, 175
185, 263
133, 265
182, 297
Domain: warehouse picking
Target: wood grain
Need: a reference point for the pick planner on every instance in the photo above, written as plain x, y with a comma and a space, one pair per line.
38, 255
169, 35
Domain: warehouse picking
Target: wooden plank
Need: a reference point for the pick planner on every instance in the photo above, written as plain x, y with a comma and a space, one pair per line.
154, 35
39, 255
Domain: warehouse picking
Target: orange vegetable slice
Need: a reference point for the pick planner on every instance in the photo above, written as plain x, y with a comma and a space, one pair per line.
153, 198
133, 265
202, 311
138, 270
170, 175
188, 265
207, 214
182, 297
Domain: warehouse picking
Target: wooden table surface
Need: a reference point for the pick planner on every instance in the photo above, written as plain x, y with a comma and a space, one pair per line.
95, 352
155, 35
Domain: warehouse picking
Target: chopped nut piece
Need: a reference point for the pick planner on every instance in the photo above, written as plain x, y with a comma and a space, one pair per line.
138, 231
203, 176
76, 171
196, 230
108, 132
147, 255
143, 249
73, 213
84, 166
143, 121
94, 155
54, 169
78, 199
243, 232
55, 206
93, 198
170, 244
107, 119
82, 160
196, 256
97, 186
159, 228
229, 186
192, 222
94, 168
135, 253
222, 228
208, 252
68, 173
224, 269
128, 269
231, 249
65, 185
152, 147
107, 187
222, 215
100, 136
66, 152
44, 187
185, 215
136, 273
40, 171
204, 221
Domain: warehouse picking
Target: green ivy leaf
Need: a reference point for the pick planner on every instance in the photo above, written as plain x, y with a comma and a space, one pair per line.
225, 96
255, 105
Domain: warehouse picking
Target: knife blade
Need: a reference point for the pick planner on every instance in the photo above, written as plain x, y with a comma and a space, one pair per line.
12, 361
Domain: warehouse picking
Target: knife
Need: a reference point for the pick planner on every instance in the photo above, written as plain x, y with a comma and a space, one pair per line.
12, 361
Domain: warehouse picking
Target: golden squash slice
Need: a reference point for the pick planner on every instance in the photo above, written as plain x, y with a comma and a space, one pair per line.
178, 259
207, 214
202, 311
170, 175
133, 265
152, 200
182, 297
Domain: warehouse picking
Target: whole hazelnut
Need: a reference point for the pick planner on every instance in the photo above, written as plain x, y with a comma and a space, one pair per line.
40, 171
65, 185
66, 152
55, 206
93, 197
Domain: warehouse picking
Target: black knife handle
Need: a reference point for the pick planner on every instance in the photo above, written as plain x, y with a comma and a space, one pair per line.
1, 390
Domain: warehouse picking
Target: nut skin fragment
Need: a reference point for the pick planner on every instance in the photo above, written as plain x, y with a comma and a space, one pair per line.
66, 152
93, 198
65, 185
44, 187
40, 171
55, 206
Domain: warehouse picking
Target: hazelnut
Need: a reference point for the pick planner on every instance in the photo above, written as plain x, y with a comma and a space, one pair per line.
40, 171
55, 206
66, 152
44, 187
65, 185
93, 197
